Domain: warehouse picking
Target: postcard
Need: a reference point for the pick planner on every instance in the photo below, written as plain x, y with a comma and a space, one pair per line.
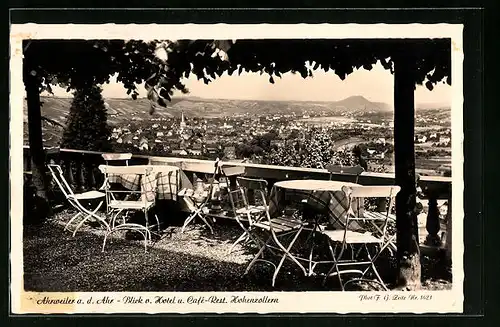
303, 168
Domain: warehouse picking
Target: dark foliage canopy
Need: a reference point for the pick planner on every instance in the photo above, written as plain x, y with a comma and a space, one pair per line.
76, 63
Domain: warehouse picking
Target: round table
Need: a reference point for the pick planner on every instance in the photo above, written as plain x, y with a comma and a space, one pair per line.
313, 185
322, 196
164, 178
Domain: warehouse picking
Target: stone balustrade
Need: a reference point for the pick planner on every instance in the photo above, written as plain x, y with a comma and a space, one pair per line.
81, 171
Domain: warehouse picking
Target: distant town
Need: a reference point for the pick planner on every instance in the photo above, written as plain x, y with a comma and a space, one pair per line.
298, 134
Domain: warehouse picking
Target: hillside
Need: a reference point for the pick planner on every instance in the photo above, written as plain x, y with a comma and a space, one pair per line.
124, 109
360, 103
118, 109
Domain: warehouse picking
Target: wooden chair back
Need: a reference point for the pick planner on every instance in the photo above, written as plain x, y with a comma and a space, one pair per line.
114, 157
230, 171
345, 170
368, 191
253, 184
254, 189
237, 200
123, 170
147, 172
372, 191
230, 174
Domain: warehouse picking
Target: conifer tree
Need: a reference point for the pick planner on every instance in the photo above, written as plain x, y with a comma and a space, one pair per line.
86, 126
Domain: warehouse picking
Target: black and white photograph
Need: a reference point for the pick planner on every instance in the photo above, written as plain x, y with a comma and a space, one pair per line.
236, 168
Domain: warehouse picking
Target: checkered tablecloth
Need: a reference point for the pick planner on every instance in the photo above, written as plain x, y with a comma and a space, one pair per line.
324, 197
166, 183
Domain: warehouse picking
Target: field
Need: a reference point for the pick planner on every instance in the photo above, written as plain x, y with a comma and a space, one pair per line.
327, 120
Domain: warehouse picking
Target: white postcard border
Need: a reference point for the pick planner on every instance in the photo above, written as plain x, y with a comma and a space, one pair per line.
299, 302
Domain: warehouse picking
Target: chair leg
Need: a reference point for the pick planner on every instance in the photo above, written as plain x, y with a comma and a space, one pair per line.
287, 250
256, 258
335, 259
335, 265
187, 221
332, 252
311, 255
277, 270
146, 234
339, 276
206, 222
241, 238
146, 217
245, 235
66, 227
113, 218
257, 241
91, 214
287, 255
105, 238
372, 266
157, 222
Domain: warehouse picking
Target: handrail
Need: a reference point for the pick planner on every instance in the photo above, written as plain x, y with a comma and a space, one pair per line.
80, 173
280, 172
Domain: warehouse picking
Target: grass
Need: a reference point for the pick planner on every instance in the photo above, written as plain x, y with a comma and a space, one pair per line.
54, 261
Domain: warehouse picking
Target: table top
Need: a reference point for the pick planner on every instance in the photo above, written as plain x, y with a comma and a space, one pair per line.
138, 169
313, 185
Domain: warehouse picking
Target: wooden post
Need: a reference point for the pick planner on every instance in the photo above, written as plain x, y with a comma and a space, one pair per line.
36, 142
408, 251
26, 160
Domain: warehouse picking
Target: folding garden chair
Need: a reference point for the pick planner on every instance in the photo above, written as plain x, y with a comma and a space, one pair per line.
245, 208
197, 204
74, 200
276, 233
243, 211
353, 171
197, 199
230, 174
144, 202
116, 159
372, 232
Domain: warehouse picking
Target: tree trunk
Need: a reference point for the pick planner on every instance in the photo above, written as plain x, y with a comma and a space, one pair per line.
408, 252
42, 208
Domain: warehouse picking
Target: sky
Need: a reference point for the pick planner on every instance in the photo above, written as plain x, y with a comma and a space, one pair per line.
375, 85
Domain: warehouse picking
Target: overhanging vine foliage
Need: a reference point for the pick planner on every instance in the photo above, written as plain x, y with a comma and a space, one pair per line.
209, 59
163, 65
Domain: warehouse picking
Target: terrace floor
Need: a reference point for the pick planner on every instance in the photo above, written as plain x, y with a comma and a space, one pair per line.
193, 261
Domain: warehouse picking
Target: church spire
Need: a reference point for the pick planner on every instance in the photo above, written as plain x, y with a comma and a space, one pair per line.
183, 122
